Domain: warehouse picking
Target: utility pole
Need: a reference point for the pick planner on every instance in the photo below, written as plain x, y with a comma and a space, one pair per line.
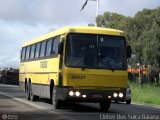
97, 10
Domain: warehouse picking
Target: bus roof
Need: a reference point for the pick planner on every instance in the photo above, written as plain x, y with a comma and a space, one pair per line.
78, 29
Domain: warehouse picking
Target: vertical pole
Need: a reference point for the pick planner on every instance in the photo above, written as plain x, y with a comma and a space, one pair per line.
97, 11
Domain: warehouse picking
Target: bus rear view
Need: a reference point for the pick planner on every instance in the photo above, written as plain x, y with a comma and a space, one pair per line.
94, 66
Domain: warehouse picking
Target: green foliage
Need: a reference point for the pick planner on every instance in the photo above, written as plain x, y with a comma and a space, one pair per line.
142, 33
148, 93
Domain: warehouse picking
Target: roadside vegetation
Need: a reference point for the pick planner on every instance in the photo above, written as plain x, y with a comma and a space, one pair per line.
145, 93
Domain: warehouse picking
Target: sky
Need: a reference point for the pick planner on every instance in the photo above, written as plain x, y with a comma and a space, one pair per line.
22, 20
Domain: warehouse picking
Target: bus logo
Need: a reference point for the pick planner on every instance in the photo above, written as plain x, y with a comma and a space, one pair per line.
43, 64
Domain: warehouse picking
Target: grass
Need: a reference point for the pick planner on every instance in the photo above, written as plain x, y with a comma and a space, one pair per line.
147, 93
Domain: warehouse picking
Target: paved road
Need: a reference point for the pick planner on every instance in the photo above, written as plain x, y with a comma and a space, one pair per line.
14, 105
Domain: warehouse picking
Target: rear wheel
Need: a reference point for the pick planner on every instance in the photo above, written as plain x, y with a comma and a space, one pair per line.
32, 96
105, 105
28, 91
55, 101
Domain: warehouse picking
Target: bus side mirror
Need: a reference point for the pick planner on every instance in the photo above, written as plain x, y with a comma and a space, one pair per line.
60, 48
129, 51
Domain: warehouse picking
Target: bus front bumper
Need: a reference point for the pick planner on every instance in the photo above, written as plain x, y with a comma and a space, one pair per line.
91, 95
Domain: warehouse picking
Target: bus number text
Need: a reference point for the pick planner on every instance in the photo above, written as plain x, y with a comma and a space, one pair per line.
82, 77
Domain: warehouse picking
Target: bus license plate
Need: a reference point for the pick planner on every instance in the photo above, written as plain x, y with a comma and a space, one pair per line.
97, 96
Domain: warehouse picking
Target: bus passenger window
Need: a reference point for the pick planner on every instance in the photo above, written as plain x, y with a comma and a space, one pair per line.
23, 53
37, 50
32, 52
28, 53
43, 49
55, 46
48, 49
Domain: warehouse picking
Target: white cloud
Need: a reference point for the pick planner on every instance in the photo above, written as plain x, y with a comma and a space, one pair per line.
59, 12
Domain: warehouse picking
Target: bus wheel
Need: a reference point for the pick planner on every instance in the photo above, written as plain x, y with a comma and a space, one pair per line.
56, 103
105, 105
32, 96
128, 101
28, 91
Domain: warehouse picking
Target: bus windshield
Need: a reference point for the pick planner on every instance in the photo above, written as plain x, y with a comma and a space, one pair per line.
95, 51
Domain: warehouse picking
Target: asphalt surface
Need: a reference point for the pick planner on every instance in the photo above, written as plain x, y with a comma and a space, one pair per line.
13, 105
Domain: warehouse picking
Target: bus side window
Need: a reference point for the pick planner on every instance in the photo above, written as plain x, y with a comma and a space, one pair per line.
37, 50
55, 45
43, 49
48, 49
23, 53
32, 51
28, 52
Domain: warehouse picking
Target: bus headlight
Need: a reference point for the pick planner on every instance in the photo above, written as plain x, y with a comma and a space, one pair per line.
71, 93
115, 95
77, 93
120, 95
84, 96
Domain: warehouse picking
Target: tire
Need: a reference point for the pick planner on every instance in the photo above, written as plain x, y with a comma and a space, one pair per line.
56, 103
105, 105
28, 91
128, 102
32, 96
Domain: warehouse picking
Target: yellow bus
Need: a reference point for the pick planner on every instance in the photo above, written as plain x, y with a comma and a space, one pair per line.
76, 64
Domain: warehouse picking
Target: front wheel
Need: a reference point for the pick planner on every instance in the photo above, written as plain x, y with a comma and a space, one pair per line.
105, 105
128, 101
55, 101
